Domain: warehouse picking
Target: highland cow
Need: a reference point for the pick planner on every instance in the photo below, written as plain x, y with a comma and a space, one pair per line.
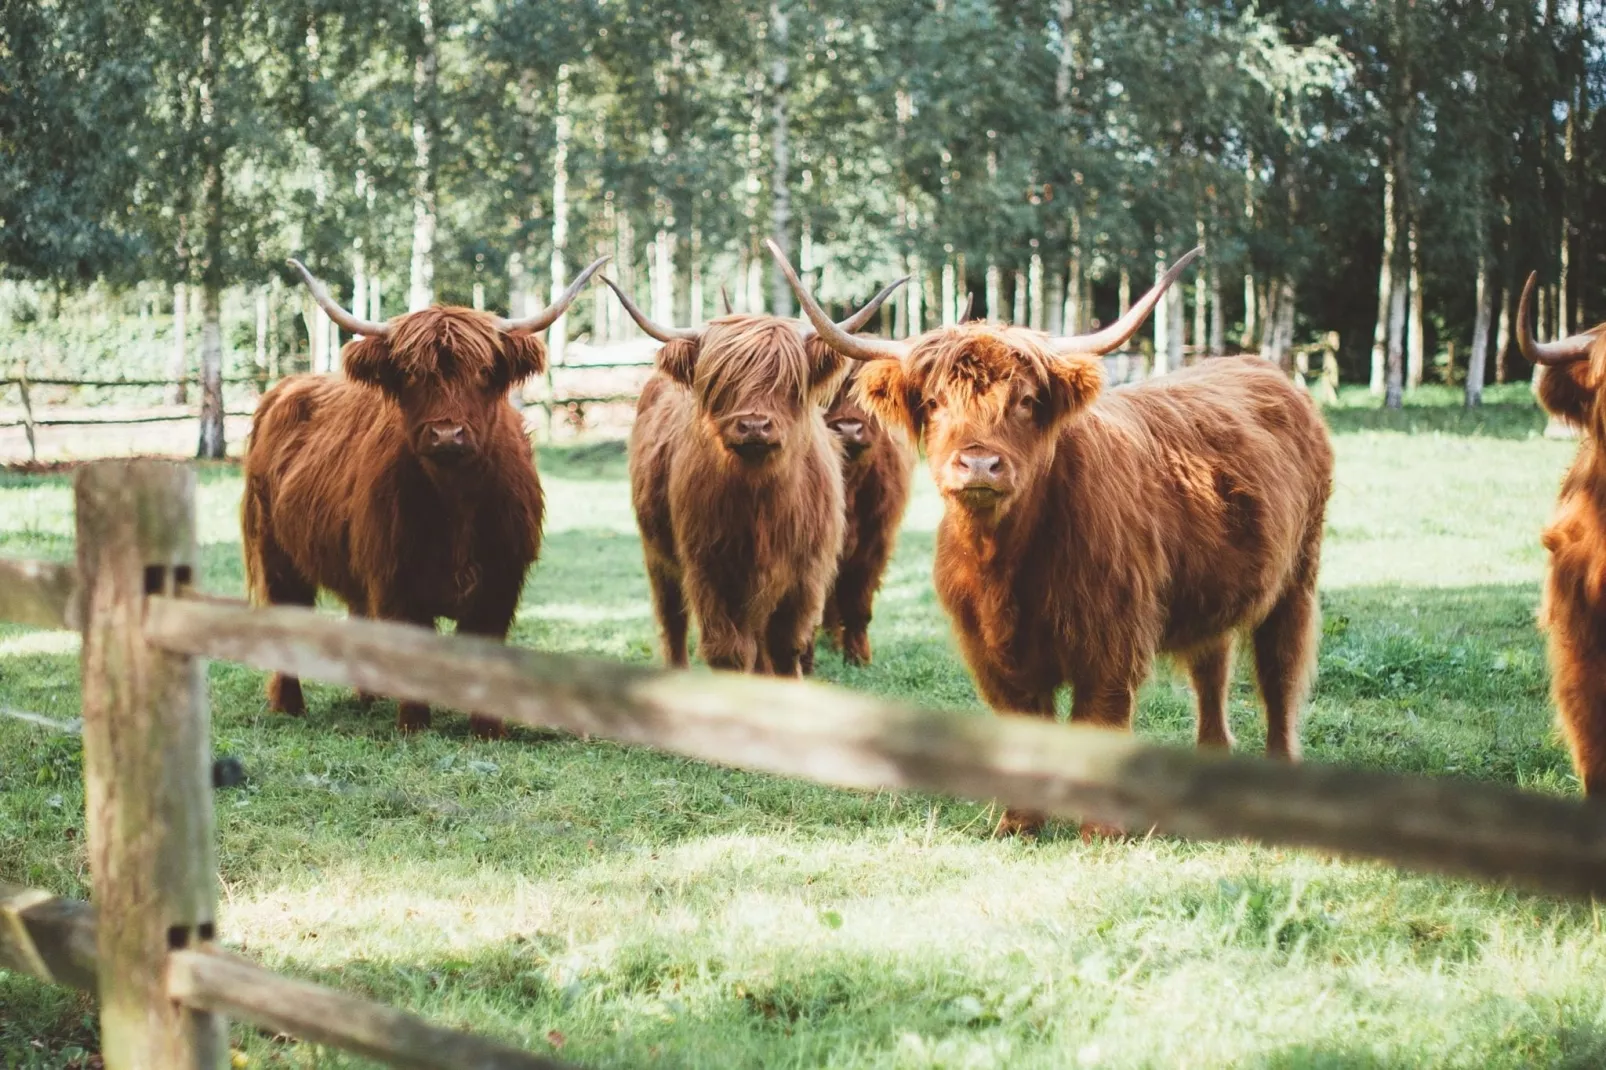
1084, 533
876, 467
737, 486
406, 485
1573, 613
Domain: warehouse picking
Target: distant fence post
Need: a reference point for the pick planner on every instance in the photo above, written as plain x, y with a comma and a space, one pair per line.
146, 766
27, 411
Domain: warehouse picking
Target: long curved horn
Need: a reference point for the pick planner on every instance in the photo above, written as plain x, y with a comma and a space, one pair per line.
663, 334
844, 342
725, 299
970, 307
1564, 351
856, 322
349, 323
1116, 334
549, 315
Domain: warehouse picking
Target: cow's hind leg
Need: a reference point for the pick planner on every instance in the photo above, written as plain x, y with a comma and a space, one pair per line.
282, 585
1211, 671
669, 606
1285, 661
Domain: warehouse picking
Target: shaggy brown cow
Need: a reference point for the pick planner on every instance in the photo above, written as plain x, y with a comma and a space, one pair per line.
1574, 611
406, 486
1082, 534
876, 467
737, 486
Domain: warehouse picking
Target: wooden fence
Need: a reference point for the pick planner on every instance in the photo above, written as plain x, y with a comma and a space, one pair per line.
150, 949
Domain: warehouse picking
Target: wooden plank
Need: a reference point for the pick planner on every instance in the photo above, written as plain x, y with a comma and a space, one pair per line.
210, 979
40, 594
121, 420
53, 939
854, 740
147, 767
46, 937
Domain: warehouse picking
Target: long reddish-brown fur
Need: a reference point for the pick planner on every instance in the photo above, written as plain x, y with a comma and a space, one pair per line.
1574, 611
340, 493
746, 545
877, 464
1164, 517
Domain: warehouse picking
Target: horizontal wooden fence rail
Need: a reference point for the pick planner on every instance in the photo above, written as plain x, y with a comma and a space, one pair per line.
114, 383
53, 940
41, 594
854, 740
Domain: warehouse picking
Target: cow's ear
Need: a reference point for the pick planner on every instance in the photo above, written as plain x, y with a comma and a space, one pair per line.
884, 391
678, 360
1568, 391
1074, 382
827, 369
367, 360
523, 355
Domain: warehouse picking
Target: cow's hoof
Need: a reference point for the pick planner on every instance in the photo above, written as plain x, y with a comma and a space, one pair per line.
1024, 823
486, 728
412, 717
1097, 831
805, 661
856, 648
284, 696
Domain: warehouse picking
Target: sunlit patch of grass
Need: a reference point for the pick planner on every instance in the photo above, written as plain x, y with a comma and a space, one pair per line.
623, 907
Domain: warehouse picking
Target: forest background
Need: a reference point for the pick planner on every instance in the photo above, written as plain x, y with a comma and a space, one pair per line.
1387, 171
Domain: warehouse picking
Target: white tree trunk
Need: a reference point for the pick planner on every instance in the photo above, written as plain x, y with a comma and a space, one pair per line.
695, 290
359, 279
949, 294
421, 277
1218, 315
1250, 289
1162, 318
557, 335
1416, 359
1201, 293
1174, 321
916, 289
1123, 294
261, 362
1476, 362
995, 292
376, 305
780, 155
181, 363
212, 444
1019, 312
1381, 330
1056, 304
1034, 293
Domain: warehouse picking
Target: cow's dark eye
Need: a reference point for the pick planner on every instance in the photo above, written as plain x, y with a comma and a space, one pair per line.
1027, 406
930, 406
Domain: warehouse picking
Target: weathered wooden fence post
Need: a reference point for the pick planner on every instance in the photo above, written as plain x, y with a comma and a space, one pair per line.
146, 766
27, 411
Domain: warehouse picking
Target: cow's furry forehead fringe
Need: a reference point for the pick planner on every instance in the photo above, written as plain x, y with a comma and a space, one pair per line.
970, 359
446, 342
744, 355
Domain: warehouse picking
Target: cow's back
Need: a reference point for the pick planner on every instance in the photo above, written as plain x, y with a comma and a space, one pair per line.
1237, 469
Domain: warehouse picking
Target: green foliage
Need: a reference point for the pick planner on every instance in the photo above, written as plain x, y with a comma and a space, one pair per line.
623, 907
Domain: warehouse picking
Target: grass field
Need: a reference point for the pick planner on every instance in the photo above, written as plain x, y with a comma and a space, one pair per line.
627, 909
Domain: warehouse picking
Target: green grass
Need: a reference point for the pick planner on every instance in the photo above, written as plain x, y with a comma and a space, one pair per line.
630, 908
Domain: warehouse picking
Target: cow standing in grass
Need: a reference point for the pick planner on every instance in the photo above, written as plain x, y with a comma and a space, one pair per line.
1083, 534
737, 486
876, 467
1574, 610
406, 485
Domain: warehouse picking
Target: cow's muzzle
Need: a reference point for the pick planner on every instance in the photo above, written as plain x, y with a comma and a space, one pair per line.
752, 437
446, 443
853, 435
977, 477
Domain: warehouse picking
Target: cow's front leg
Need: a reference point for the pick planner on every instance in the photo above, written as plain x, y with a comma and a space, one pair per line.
410, 716
1102, 704
490, 616
789, 637
1010, 696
